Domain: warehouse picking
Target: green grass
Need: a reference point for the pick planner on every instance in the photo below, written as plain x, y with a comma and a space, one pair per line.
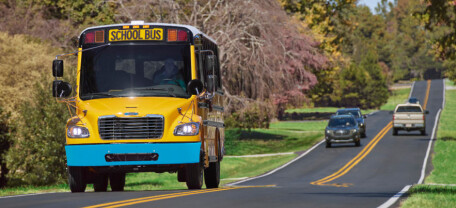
32, 189
449, 82
299, 126
313, 110
443, 161
431, 197
398, 96
260, 141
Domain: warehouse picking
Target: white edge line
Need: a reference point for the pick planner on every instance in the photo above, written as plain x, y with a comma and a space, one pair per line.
423, 170
411, 90
393, 199
279, 168
372, 113
5, 197
444, 90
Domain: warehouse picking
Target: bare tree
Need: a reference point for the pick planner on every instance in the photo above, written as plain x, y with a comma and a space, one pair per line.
265, 60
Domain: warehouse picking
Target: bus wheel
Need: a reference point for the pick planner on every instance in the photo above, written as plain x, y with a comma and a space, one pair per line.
181, 175
76, 179
101, 183
117, 181
212, 175
194, 173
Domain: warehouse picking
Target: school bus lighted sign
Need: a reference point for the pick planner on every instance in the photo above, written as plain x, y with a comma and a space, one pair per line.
135, 34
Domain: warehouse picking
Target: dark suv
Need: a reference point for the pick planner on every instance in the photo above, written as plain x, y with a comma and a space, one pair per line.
356, 112
342, 129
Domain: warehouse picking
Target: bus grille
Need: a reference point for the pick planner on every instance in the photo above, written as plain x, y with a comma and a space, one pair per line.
149, 127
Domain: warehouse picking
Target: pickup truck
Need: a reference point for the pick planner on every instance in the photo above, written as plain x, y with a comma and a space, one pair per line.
409, 117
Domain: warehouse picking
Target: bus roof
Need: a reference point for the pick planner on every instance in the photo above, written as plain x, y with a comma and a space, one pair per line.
194, 30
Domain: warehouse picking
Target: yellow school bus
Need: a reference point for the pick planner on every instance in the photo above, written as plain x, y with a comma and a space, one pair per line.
148, 98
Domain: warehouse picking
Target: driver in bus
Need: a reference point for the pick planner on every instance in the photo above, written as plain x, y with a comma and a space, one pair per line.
169, 74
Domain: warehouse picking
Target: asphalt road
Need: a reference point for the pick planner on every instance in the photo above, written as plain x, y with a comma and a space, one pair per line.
365, 176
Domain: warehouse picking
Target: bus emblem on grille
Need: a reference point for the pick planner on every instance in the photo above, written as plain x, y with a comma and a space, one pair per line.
131, 114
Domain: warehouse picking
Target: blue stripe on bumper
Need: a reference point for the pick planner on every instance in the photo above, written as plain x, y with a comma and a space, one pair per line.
168, 153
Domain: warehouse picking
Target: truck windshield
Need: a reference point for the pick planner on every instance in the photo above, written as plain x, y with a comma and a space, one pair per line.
130, 70
408, 109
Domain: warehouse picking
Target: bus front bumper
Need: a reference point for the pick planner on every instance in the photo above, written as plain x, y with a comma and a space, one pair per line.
132, 154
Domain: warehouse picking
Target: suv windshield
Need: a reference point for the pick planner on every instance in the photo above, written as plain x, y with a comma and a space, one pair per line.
355, 113
342, 122
135, 71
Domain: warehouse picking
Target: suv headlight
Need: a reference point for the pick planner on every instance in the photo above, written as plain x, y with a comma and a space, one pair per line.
188, 129
354, 130
78, 132
329, 131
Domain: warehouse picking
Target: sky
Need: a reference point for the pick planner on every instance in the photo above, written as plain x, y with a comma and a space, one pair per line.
370, 3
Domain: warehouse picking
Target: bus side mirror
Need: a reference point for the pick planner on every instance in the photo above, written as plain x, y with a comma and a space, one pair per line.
211, 78
61, 89
195, 87
212, 83
57, 68
210, 62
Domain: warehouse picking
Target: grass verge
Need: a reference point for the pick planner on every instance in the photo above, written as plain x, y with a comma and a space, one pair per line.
443, 161
397, 96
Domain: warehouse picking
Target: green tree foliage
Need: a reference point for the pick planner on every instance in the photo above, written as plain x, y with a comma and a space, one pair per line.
37, 156
407, 50
363, 85
5, 143
22, 61
440, 19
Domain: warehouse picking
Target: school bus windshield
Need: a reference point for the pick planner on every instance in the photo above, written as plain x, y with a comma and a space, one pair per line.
131, 70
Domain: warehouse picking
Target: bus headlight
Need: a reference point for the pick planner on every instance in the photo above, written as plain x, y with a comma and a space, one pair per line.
188, 129
77, 132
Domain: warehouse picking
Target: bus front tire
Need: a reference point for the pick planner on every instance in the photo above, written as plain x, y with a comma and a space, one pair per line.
212, 175
76, 179
117, 181
194, 174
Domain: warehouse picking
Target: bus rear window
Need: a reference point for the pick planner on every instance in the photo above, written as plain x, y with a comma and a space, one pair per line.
408, 109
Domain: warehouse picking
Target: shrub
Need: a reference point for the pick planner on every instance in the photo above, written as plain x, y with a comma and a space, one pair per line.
5, 143
252, 117
37, 156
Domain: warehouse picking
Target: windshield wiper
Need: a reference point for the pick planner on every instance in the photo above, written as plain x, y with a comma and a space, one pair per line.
170, 90
99, 94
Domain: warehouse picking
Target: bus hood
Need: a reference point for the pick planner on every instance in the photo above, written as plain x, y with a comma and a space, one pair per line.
134, 106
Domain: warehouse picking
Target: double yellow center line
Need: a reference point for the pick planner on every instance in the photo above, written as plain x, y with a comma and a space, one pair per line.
347, 167
168, 196
427, 94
